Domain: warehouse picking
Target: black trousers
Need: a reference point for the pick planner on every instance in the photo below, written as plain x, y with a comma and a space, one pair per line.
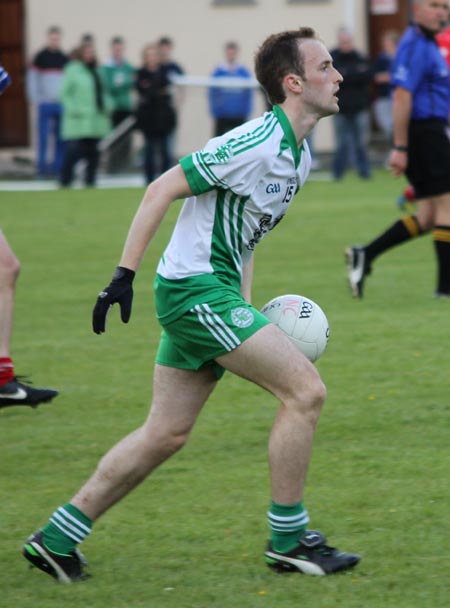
118, 157
77, 149
157, 158
226, 124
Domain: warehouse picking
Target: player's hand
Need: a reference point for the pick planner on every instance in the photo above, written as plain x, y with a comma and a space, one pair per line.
398, 161
120, 291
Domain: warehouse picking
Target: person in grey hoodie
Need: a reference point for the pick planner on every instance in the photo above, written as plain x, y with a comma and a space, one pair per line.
44, 79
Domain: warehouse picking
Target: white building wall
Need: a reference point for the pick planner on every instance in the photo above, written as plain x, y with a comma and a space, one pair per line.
199, 29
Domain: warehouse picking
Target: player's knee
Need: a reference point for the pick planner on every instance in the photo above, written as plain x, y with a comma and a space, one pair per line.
308, 397
316, 394
10, 271
15, 269
176, 441
166, 441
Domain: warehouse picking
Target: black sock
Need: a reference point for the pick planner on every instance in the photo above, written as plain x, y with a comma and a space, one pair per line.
403, 230
441, 237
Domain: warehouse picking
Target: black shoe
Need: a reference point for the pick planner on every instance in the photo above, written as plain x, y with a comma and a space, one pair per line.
357, 269
311, 556
442, 295
65, 568
17, 393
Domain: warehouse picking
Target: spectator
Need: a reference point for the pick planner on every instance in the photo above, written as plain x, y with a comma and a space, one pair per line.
443, 40
85, 116
156, 116
119, 76
43, 84
352, 122
87, 39
382, 79
315, 162
168, 65
171, 69
230, 107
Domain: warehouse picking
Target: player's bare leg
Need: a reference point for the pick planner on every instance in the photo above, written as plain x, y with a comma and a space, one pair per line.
442, 209
269, 359
9, 271
178, 397
426, 213
12, 391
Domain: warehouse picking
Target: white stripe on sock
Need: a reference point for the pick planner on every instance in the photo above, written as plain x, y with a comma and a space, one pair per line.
280, 518
73, 519
288, 524
64, 531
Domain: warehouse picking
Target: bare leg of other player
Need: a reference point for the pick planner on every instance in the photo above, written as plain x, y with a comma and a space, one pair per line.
9, 271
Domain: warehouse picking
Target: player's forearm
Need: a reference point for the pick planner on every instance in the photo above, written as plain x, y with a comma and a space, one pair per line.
157, 199
401, 113
144, 226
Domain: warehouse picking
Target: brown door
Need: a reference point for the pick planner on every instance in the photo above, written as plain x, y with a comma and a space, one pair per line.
13, 104
386, 15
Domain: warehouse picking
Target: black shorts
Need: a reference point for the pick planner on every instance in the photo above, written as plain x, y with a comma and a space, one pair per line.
428, 167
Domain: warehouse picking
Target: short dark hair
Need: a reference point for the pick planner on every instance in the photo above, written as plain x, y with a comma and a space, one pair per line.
117, 40
165, 40
279, 55
87, 38
54, 29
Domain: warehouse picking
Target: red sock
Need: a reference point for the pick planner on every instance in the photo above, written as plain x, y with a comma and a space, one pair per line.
6, 370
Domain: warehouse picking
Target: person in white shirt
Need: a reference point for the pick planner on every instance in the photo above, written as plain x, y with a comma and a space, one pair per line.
236, 190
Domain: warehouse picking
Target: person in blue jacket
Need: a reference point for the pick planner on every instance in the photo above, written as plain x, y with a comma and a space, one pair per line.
230, 106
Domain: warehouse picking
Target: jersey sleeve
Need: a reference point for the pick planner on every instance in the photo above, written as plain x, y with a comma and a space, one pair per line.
408, 66
226, 164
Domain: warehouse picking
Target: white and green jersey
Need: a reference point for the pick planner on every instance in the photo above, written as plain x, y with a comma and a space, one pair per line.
243, 183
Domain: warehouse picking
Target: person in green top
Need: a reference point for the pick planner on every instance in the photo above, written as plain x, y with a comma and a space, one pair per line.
86, 110
119, 77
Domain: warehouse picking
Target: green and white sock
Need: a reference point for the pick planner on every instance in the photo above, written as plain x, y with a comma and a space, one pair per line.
67, 527
287, 524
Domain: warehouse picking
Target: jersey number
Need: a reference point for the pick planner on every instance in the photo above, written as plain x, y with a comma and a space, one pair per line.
290, 190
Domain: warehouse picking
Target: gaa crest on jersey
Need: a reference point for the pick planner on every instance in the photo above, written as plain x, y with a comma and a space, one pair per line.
222, 154
242, 317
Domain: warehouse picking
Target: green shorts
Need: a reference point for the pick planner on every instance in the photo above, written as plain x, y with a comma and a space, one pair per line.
211, 328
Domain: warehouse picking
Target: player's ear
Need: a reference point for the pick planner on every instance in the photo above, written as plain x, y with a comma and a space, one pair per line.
294, 83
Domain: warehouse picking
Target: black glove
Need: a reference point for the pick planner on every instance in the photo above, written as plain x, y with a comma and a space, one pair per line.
119, 290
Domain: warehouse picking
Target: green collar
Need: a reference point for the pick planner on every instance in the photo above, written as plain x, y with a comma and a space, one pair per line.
289, 139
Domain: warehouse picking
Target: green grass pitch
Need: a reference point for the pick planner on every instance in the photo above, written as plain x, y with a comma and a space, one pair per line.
193, 535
